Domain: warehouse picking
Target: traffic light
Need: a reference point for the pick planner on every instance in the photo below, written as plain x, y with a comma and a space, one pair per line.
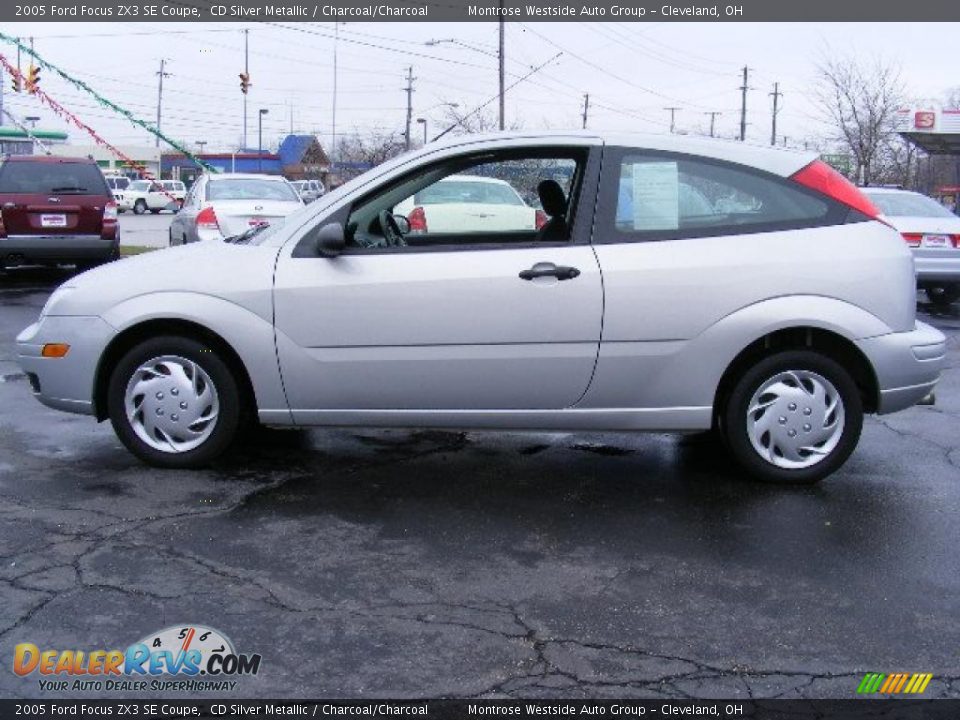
33, 79
15, 82
245, 82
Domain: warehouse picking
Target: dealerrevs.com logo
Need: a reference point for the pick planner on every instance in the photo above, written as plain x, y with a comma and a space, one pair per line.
185, 658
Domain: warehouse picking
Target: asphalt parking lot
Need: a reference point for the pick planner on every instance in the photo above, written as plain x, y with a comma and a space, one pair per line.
410, 564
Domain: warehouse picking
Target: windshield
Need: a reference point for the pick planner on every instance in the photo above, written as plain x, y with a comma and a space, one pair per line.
140, 186
250, 189
50, 178
908, 204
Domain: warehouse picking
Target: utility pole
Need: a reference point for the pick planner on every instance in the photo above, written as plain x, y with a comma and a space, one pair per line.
333, 133
776, 94
162, 74
409, 89
713, 120
502, 62
743, 103
246, 70
586, 109
673, 113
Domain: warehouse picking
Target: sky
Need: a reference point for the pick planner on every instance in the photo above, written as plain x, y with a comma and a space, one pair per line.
632, 71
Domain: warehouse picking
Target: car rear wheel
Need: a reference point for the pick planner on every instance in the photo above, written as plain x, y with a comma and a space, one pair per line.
139, 207
794, 417
943, 295
174, 402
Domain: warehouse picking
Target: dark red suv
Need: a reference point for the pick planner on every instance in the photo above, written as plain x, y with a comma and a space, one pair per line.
55, 210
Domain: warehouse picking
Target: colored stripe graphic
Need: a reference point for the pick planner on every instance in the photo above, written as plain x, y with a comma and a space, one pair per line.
895, 683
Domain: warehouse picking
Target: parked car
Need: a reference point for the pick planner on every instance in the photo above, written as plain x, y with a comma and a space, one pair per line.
933, 234
117, 184
55, 210
779, 327
459, 200
309, 190
154, 195
220, 206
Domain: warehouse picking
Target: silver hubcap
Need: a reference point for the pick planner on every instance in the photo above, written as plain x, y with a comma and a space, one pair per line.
795, 419
171, 404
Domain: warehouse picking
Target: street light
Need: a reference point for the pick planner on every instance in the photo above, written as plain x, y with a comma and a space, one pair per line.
263, 111
33, 120
200, 144
423, 121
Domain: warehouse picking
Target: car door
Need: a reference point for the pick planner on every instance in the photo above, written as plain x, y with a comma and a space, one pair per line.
480, 321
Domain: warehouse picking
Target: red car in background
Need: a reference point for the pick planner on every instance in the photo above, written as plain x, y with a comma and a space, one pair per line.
55, 210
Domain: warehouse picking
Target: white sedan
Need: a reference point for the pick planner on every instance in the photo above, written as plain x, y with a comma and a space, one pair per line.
227, 205
460, 201
933, 234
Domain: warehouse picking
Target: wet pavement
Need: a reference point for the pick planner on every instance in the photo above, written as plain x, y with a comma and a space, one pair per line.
412, 564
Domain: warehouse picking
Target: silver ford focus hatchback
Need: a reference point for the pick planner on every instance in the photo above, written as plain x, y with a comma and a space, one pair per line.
655, 283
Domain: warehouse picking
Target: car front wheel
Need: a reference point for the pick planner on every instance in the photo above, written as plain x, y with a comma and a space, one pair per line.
174, 402
794, 417
139, 207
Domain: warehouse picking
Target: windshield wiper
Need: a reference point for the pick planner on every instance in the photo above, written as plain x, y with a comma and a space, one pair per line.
246, 235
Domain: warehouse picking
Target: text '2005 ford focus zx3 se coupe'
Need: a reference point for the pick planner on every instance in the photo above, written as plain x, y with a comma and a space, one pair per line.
640, 283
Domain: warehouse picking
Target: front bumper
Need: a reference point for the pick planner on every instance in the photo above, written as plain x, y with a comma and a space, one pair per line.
907, 365
65, 383
56, 248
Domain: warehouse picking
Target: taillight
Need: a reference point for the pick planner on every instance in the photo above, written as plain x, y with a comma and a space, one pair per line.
956, 239
3, 230
110, 212
540, 219
913, 239
207, 219
821, 177
418, 220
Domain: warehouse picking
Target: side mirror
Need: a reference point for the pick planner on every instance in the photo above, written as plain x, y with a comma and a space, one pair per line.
330, 240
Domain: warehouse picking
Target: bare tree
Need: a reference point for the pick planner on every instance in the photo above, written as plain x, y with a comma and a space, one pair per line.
952, 98
478, 121
860, 102
367, 150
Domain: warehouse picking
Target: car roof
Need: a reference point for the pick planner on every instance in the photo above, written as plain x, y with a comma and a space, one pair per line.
245, 176
777, 160
474, 178
49, 159
889, 191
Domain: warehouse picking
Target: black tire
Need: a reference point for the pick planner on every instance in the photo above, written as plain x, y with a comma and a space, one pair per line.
209, 359
139, 207
735, 417
943, 295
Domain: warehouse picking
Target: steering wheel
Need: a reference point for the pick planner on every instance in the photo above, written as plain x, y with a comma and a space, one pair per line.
391, 229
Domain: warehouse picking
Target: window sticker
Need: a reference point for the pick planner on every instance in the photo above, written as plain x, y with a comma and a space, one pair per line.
656, 192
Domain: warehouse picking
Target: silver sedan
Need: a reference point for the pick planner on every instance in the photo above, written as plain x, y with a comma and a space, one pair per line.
227, 205
777, 310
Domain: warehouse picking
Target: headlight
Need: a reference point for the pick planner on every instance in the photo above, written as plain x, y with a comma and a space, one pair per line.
57, 295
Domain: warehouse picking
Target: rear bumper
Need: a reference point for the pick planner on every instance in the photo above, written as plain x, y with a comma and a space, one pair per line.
938, 269
907, 365
56, 248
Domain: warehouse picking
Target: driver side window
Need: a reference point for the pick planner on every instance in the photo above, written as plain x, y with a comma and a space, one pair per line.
516, 199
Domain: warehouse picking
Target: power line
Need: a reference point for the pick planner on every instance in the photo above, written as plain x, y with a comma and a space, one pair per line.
776, 94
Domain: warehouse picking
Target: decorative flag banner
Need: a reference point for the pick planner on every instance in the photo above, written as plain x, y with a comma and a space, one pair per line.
105, 102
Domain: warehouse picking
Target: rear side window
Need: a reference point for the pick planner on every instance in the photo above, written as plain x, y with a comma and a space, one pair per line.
52, 178
668, 196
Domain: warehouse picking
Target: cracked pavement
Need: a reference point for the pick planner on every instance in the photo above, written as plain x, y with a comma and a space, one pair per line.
443, 564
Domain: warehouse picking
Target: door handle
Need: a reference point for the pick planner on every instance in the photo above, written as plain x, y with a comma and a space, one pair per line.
560, 272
